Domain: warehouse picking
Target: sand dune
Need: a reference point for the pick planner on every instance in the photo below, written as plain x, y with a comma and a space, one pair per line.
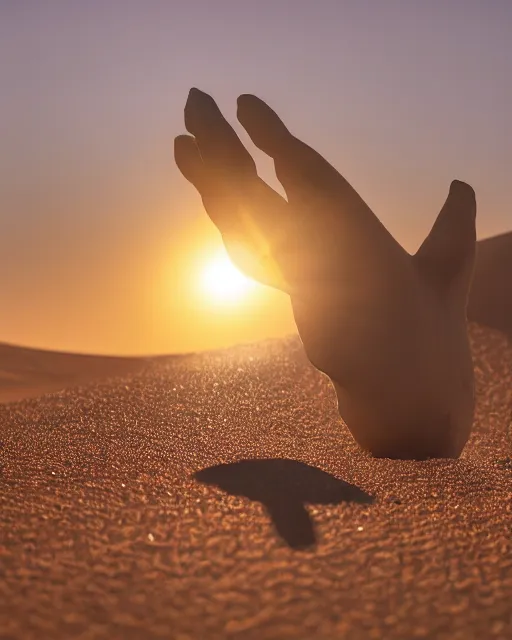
490, 301
219, 496
27, 373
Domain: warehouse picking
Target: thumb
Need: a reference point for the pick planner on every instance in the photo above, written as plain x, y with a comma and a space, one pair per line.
448, 251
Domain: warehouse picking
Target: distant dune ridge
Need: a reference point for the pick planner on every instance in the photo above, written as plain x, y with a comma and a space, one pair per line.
28, 373
490, 300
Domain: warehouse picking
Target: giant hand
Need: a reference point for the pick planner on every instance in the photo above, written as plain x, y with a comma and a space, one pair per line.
388, 328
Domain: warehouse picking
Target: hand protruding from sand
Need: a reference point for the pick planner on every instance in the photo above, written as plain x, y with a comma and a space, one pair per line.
388, 328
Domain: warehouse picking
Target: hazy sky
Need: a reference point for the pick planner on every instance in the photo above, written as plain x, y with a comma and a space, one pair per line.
99, 234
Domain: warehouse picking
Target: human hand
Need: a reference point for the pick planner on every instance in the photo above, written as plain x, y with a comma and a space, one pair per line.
388, 328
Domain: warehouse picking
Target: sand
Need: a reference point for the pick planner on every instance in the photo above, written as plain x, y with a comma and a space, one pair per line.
118, 522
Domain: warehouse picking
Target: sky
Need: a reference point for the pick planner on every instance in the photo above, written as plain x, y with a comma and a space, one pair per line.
103, 243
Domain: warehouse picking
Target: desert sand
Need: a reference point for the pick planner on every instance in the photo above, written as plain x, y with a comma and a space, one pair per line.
220, 496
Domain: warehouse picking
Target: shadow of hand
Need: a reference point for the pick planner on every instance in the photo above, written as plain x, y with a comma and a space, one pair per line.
284, 487
388, 328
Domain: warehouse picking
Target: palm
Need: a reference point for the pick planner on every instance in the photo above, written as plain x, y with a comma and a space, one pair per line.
354, 290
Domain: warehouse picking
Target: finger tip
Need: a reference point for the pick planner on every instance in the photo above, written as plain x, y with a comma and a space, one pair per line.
243, 103
197, 96
245, 98
248, 101
462, 188
199, 107
181, 139
182, 143
195, 92
186, 155
191, 98
464, 195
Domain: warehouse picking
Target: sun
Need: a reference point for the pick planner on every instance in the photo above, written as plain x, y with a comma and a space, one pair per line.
222, 282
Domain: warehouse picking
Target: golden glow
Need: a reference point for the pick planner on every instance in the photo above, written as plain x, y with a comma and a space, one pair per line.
169, 300
223, 283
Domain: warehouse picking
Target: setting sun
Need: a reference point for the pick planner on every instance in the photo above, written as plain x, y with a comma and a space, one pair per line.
222, 282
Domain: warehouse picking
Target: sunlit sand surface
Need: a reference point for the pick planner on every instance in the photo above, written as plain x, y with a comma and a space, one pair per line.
117, 521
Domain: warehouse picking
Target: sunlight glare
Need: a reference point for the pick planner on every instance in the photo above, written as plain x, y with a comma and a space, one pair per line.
223, 282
